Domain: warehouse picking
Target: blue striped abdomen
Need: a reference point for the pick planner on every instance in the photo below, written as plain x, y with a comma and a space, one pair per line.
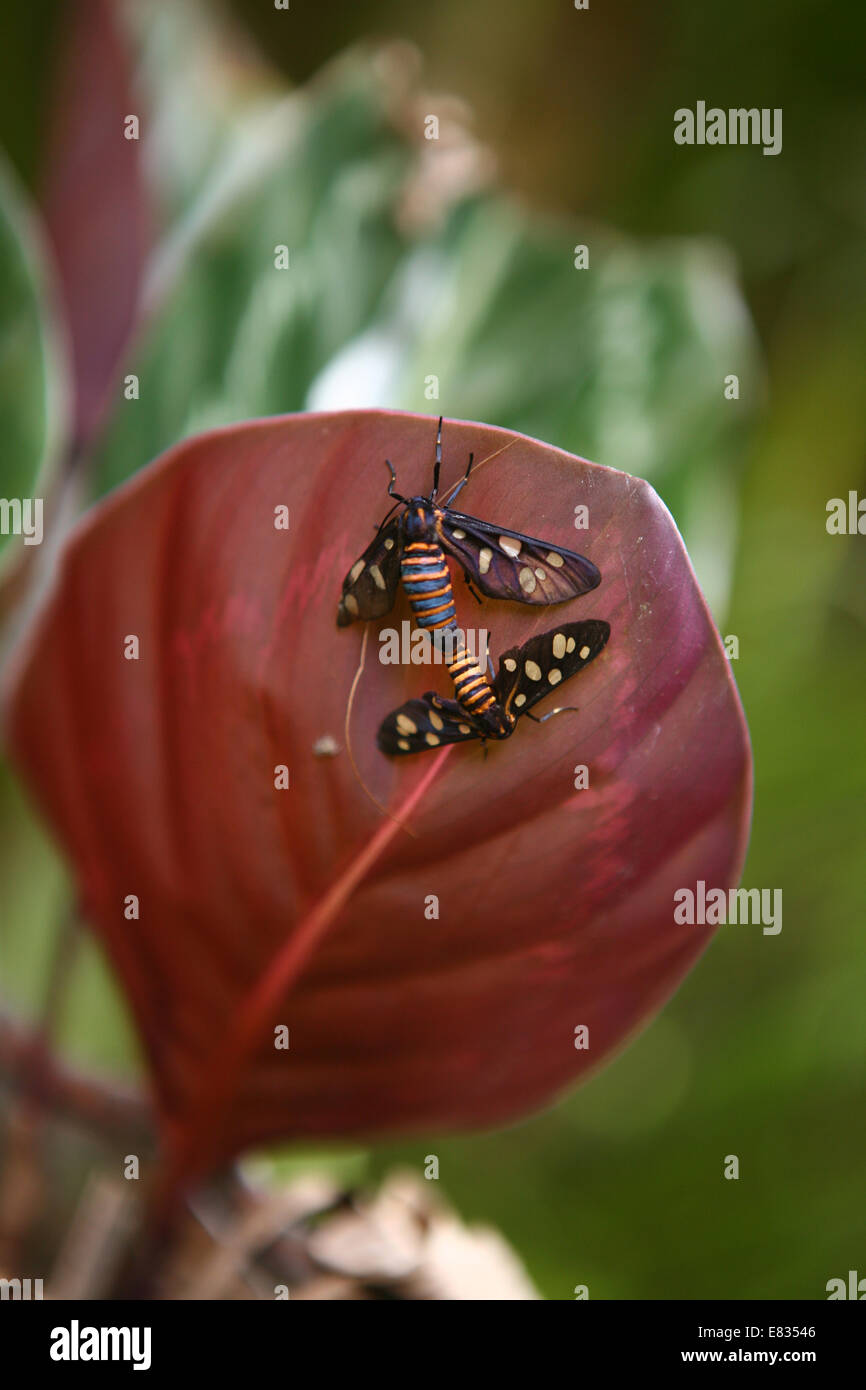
428, 584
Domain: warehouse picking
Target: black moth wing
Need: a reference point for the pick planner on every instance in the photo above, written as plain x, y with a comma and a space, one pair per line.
428, 722
527, 674
507, 564
370, 587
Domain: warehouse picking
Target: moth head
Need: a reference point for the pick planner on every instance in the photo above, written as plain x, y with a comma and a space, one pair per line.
417, 519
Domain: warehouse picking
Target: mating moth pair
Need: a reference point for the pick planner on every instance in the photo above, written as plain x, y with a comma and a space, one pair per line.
411, 547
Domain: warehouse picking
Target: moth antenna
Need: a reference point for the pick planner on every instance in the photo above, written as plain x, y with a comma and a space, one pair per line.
455, 491
449, 496
391, 492
348, 738
438, 461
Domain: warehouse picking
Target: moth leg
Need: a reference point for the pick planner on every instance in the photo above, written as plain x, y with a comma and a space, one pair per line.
468, 583
543, 718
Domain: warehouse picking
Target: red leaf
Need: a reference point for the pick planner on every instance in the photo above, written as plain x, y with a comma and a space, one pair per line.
95, 203
306, 906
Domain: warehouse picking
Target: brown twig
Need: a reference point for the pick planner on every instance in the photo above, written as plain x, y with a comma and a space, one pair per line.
94, 1104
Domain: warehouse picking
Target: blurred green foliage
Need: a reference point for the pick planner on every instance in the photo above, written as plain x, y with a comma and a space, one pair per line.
760, 1054
232, 337
31, 395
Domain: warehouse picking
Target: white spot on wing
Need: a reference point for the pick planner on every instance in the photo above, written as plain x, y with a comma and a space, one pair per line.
510, 546
484, 558
533, 670
527, 580
559, 645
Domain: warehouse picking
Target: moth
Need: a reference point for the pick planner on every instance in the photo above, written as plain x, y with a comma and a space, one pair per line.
413, 545
526, 675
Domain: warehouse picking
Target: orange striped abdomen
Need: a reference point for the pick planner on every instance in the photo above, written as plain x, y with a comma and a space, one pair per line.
472, 688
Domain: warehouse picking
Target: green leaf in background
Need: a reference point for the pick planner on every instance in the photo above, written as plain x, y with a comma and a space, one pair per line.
233, 336
33, 419
32, 370
198, 75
